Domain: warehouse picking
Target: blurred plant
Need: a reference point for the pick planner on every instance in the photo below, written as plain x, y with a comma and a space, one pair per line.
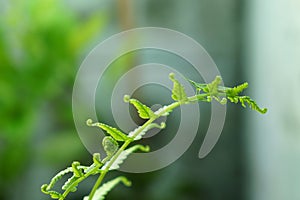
116, 154
40, 42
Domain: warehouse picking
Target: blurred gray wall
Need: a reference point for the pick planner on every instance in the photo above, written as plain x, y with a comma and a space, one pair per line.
273, 68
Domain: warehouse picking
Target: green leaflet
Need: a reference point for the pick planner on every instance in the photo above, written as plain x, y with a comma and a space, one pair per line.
114, 132
120, 159
212, 88
144, 111
198, 86
178, 92
106, 187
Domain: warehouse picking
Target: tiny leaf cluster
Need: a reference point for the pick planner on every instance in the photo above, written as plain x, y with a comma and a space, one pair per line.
116, 144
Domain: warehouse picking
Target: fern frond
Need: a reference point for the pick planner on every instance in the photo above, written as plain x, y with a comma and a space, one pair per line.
58, 176
178, 92
221, 94
143, 132
114, 132
235, 91
198, 86
69, 184
212, 88
144, 111
97, 159
108, 186
124, 154
53, 194
251, 103
110, 145
76, 170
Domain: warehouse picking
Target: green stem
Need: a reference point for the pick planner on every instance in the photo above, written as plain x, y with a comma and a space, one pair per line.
64, 195
98, 182
127, 142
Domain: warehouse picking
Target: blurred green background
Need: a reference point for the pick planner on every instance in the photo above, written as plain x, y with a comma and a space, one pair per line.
42, 44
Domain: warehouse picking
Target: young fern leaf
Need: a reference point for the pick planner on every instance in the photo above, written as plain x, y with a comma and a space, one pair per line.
233, 95
178, 92
115, 133
53, 194
97, 163
57, 177
246, 99
162, 110
124, 154
97, 159
110, 145
144, 111
143, 132
76, 170
199, 86
116, 156
213, 90
106, 187
69, 184
235, 91
216, 91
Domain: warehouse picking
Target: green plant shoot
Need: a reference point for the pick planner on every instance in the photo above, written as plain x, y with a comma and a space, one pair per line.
117, 144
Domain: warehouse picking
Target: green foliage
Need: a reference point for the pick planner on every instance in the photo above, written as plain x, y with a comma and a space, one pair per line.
221, 94
116, 154
144, 111
115, 133
142, 131
69, 184
40, 45
119, 159
110, 145
178, 92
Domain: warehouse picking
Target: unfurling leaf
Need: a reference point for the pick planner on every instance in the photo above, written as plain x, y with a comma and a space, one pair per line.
75, 167
178, 92
106, 187
97, 159
114, 132
246, 99
116, 155
58, 176
221, 94
235, 91
110, 145
53, 194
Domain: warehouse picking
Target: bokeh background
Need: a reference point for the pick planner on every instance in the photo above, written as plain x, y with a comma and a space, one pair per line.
42, 44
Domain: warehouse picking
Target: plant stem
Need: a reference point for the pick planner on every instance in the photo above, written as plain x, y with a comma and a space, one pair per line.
167, 109
78, 181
